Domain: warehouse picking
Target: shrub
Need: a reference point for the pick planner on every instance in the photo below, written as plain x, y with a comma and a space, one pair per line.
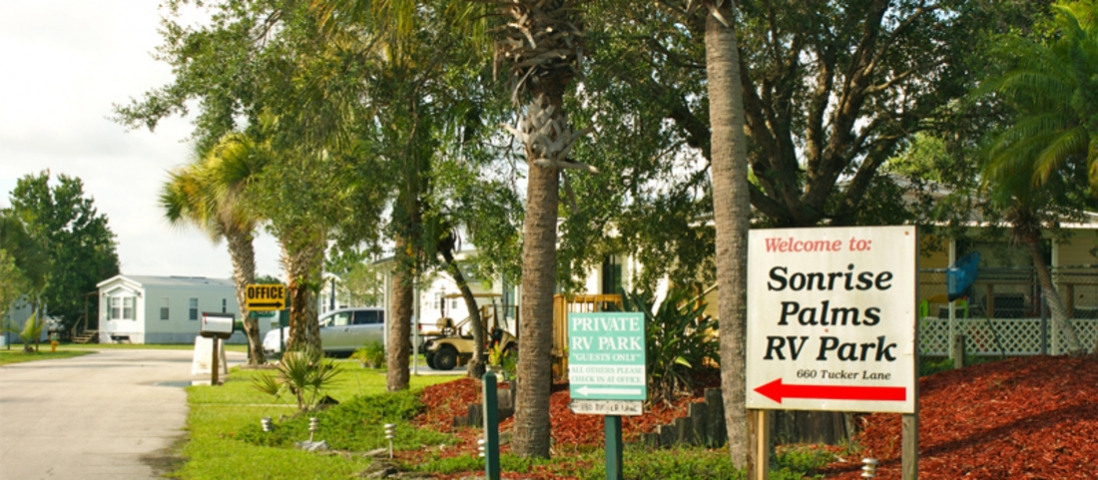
304, 374
371, 355
679, 338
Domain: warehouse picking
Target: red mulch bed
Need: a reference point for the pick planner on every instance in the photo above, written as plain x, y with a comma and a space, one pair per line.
1027, 418
445, 401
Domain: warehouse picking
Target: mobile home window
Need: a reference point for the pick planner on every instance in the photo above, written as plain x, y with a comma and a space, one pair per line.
165, 312
122, 308
193, 314
224, 305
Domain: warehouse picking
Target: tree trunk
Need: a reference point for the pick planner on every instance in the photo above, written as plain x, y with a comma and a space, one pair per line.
476, 366
303, 269
539, 270
731, 215
242, 254
400, 318
1052, 298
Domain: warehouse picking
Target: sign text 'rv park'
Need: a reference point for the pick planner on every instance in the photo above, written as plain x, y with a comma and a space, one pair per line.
832, 319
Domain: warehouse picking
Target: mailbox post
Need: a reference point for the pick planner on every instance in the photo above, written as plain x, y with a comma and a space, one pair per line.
216, 326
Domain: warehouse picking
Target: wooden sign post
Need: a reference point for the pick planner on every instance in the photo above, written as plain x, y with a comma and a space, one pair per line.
832, 325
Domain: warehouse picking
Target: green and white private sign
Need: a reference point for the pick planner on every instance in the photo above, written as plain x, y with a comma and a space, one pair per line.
606, 356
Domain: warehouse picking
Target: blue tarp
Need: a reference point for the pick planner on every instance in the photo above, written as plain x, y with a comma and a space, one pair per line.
961, 275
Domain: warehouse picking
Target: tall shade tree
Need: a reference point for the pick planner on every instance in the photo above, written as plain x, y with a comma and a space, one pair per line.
830, 91
210, 194
416, 96
24, 264
75, 236
264, 68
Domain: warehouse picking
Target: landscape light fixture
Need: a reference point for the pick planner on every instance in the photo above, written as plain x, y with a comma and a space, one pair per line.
390, 433
870, 468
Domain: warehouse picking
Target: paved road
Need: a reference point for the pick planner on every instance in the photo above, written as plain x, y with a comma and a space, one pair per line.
99, 416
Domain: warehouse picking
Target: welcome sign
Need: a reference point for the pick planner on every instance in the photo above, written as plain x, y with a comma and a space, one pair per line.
831, 319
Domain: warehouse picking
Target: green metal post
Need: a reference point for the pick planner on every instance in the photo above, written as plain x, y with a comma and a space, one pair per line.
613, 447
491, 427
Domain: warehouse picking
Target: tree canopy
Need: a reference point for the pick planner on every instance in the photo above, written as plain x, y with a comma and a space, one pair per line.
73, 235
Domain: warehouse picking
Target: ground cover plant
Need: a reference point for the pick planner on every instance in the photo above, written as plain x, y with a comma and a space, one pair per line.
222, 418
1019, 418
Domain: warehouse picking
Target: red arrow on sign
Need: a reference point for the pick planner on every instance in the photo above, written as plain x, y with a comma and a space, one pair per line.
776, 391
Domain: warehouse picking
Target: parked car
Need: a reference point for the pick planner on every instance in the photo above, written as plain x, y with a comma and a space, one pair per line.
341, 331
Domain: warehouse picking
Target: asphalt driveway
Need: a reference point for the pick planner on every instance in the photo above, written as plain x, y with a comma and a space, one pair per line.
99, 416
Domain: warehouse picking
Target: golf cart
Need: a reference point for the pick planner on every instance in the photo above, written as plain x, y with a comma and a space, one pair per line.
452, 344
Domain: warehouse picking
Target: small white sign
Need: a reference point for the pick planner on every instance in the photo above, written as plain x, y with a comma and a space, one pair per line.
831, 319
607, 407
203, 356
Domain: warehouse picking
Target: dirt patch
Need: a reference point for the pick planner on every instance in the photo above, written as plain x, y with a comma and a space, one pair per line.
1023, 418
166, 460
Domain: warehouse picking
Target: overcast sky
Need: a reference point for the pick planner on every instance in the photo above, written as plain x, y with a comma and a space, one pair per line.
64, 64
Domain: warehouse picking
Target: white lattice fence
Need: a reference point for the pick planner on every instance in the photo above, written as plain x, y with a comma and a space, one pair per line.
1017, 336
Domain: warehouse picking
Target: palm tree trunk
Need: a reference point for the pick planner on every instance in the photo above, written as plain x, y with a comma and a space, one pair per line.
1052, 298
400, 309
242, 254
303, 267
539, 270
731, 214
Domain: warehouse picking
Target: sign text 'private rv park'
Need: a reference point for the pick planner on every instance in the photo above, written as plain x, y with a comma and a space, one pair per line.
606, 363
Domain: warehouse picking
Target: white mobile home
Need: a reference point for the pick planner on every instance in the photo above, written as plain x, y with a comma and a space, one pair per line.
148, 309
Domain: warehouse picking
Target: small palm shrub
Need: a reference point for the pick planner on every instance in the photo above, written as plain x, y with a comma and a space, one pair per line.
371, 355
304, 374
28, 333
679, 338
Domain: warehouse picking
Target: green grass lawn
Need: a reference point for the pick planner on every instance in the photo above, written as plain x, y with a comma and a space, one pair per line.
220, 415
16, 354
226, 441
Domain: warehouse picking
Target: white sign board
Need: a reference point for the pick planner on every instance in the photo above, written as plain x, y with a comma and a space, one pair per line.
606, 356
607, 407
831, 319
203, 356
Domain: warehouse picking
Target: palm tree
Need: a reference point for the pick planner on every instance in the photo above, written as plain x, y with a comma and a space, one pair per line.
211, 194
541, 41
731, 215
1049, 87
